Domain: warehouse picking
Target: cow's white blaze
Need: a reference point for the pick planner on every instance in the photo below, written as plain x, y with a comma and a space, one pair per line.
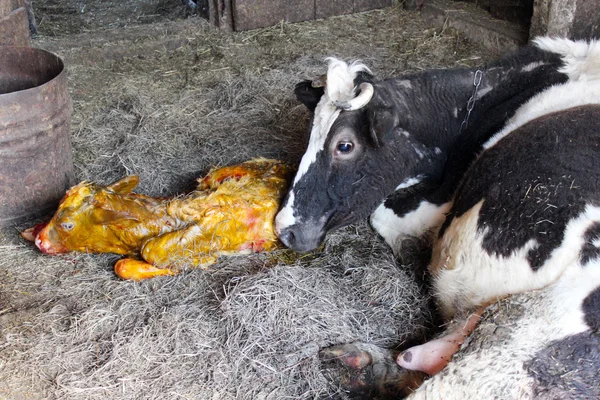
339, 88
285, 217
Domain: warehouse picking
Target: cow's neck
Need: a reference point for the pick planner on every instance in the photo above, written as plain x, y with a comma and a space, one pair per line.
467, 106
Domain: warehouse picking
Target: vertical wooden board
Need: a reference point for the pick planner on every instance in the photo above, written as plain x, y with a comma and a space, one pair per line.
364, 5
328, 8
252, 14
586, 23
300, 10
540, 17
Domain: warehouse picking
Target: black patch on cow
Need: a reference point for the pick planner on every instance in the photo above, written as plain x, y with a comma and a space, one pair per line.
591, 309
590, 251
567, 369
534, 181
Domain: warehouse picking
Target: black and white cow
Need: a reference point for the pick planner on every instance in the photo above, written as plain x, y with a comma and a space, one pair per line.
502, 162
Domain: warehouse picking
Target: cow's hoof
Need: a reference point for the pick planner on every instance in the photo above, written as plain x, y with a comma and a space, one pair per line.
366, 371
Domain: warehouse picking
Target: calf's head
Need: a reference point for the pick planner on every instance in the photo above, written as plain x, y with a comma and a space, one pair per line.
86, 217
360, 150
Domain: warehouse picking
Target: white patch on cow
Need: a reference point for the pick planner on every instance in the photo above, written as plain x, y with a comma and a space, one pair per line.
581, 58
596, 243
466, 276
482, 91
555, 98
408, 182
571, 290
405, 83
531, 66
285, 217
419, 152
394, 229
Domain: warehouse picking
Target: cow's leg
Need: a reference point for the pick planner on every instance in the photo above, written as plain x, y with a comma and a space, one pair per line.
433, 356
369, 371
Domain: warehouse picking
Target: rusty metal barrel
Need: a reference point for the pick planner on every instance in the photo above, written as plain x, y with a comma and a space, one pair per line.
36, 165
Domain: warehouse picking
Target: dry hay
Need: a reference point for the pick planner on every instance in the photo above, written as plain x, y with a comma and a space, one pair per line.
251, 327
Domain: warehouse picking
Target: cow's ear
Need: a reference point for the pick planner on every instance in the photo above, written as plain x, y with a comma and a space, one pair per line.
309, 95
382, 122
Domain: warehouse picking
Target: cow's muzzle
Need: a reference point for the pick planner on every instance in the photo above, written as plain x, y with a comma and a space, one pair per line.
301, 238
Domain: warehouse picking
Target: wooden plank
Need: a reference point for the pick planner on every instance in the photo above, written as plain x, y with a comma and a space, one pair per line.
328, 8
241, 15
300, 10
252, 14
365, 5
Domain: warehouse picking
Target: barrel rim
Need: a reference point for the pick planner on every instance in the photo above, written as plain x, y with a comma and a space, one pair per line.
6, 51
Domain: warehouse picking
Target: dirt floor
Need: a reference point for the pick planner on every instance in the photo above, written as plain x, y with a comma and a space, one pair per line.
166, 96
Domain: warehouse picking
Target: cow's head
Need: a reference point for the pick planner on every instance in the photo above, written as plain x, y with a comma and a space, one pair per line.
361, 148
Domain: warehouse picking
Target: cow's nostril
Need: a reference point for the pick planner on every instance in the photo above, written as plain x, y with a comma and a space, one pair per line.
287, 237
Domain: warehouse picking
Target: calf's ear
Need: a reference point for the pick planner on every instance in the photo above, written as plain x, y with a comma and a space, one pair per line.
382, 122
125, 185
107, 216
308, 94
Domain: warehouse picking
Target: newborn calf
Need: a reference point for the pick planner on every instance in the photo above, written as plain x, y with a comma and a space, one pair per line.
231, 212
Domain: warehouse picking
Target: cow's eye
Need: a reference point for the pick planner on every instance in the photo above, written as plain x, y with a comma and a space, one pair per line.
345, 147
67, 226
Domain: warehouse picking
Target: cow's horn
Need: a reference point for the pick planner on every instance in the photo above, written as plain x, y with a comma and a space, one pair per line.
366, 94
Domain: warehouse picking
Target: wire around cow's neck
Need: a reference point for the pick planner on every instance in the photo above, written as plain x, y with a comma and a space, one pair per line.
471, 102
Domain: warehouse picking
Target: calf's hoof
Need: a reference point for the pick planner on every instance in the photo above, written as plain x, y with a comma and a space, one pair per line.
366, 371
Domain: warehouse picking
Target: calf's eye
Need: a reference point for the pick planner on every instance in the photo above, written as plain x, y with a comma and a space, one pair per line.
345, 147
67, 226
